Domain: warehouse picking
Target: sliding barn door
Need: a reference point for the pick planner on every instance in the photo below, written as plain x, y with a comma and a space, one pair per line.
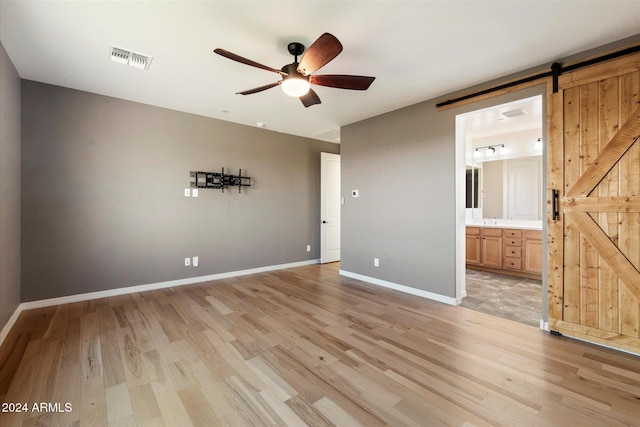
594, 244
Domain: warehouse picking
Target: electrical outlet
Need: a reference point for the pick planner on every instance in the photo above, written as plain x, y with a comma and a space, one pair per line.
196, 261
187, 192
376, 262
308, 248
187, 262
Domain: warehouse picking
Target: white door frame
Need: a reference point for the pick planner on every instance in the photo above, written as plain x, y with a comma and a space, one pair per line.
329, 207
460, 211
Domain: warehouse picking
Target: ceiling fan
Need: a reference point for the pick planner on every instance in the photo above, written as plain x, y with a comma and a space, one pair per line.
296, 77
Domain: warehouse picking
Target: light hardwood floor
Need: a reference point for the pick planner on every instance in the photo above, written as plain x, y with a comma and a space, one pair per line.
303, 346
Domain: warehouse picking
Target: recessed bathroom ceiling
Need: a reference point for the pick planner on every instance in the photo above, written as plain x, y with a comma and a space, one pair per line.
492, 121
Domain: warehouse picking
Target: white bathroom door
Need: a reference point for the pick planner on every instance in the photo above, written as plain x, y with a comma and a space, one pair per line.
329, 207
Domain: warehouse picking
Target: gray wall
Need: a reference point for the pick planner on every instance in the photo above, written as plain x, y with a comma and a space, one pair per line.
401, 163
9, 188
103, 201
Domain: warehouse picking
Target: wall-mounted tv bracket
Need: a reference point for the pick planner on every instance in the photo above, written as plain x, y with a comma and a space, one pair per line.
219, 181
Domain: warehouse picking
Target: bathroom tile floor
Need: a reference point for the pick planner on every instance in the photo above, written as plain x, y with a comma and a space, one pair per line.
508, 297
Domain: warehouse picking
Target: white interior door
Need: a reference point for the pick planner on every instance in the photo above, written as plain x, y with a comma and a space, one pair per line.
524, 180
330, 207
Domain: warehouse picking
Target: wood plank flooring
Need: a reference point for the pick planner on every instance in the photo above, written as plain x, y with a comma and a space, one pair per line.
302, 347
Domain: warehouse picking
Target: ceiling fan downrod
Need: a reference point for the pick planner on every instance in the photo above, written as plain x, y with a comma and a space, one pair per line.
295, 49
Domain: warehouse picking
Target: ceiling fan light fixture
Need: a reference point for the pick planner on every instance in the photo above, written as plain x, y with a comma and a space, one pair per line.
295, 86
297, 77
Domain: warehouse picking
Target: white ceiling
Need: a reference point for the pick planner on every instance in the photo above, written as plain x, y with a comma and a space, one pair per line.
418, 50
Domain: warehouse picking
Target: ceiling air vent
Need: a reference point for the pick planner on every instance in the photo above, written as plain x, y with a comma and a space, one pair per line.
514, 113
132, 59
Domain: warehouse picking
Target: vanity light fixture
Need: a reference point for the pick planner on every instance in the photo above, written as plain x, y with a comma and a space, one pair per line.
538, 144
491, 150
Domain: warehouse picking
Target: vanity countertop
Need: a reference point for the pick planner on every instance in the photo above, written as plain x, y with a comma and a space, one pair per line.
503, 223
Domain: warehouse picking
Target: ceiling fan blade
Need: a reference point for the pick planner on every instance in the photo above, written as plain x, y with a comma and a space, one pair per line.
259, 89
342, 81
246, 61
319, 53
310, 98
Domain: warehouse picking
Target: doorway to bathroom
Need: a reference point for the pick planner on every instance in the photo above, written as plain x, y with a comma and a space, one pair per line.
500, 252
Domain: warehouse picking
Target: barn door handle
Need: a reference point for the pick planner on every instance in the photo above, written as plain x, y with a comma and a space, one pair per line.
555, 195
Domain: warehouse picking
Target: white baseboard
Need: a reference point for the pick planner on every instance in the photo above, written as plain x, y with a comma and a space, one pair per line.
12, 321
141, 288
160, 285
401, 288
544, 325
461, 297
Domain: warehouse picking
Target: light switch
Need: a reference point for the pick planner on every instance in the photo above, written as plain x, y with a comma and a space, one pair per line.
194, 192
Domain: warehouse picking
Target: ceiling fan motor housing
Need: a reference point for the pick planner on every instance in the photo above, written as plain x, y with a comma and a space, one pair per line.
292, 72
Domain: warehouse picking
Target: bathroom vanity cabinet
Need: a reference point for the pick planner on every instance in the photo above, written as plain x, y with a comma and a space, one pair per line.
513, 251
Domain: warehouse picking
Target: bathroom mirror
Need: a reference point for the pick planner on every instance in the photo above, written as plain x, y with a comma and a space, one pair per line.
512, 189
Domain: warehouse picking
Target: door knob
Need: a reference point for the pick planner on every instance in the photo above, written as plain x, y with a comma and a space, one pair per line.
325, 222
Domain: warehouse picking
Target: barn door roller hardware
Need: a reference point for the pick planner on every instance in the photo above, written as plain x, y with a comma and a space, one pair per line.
219, 181
556, 70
